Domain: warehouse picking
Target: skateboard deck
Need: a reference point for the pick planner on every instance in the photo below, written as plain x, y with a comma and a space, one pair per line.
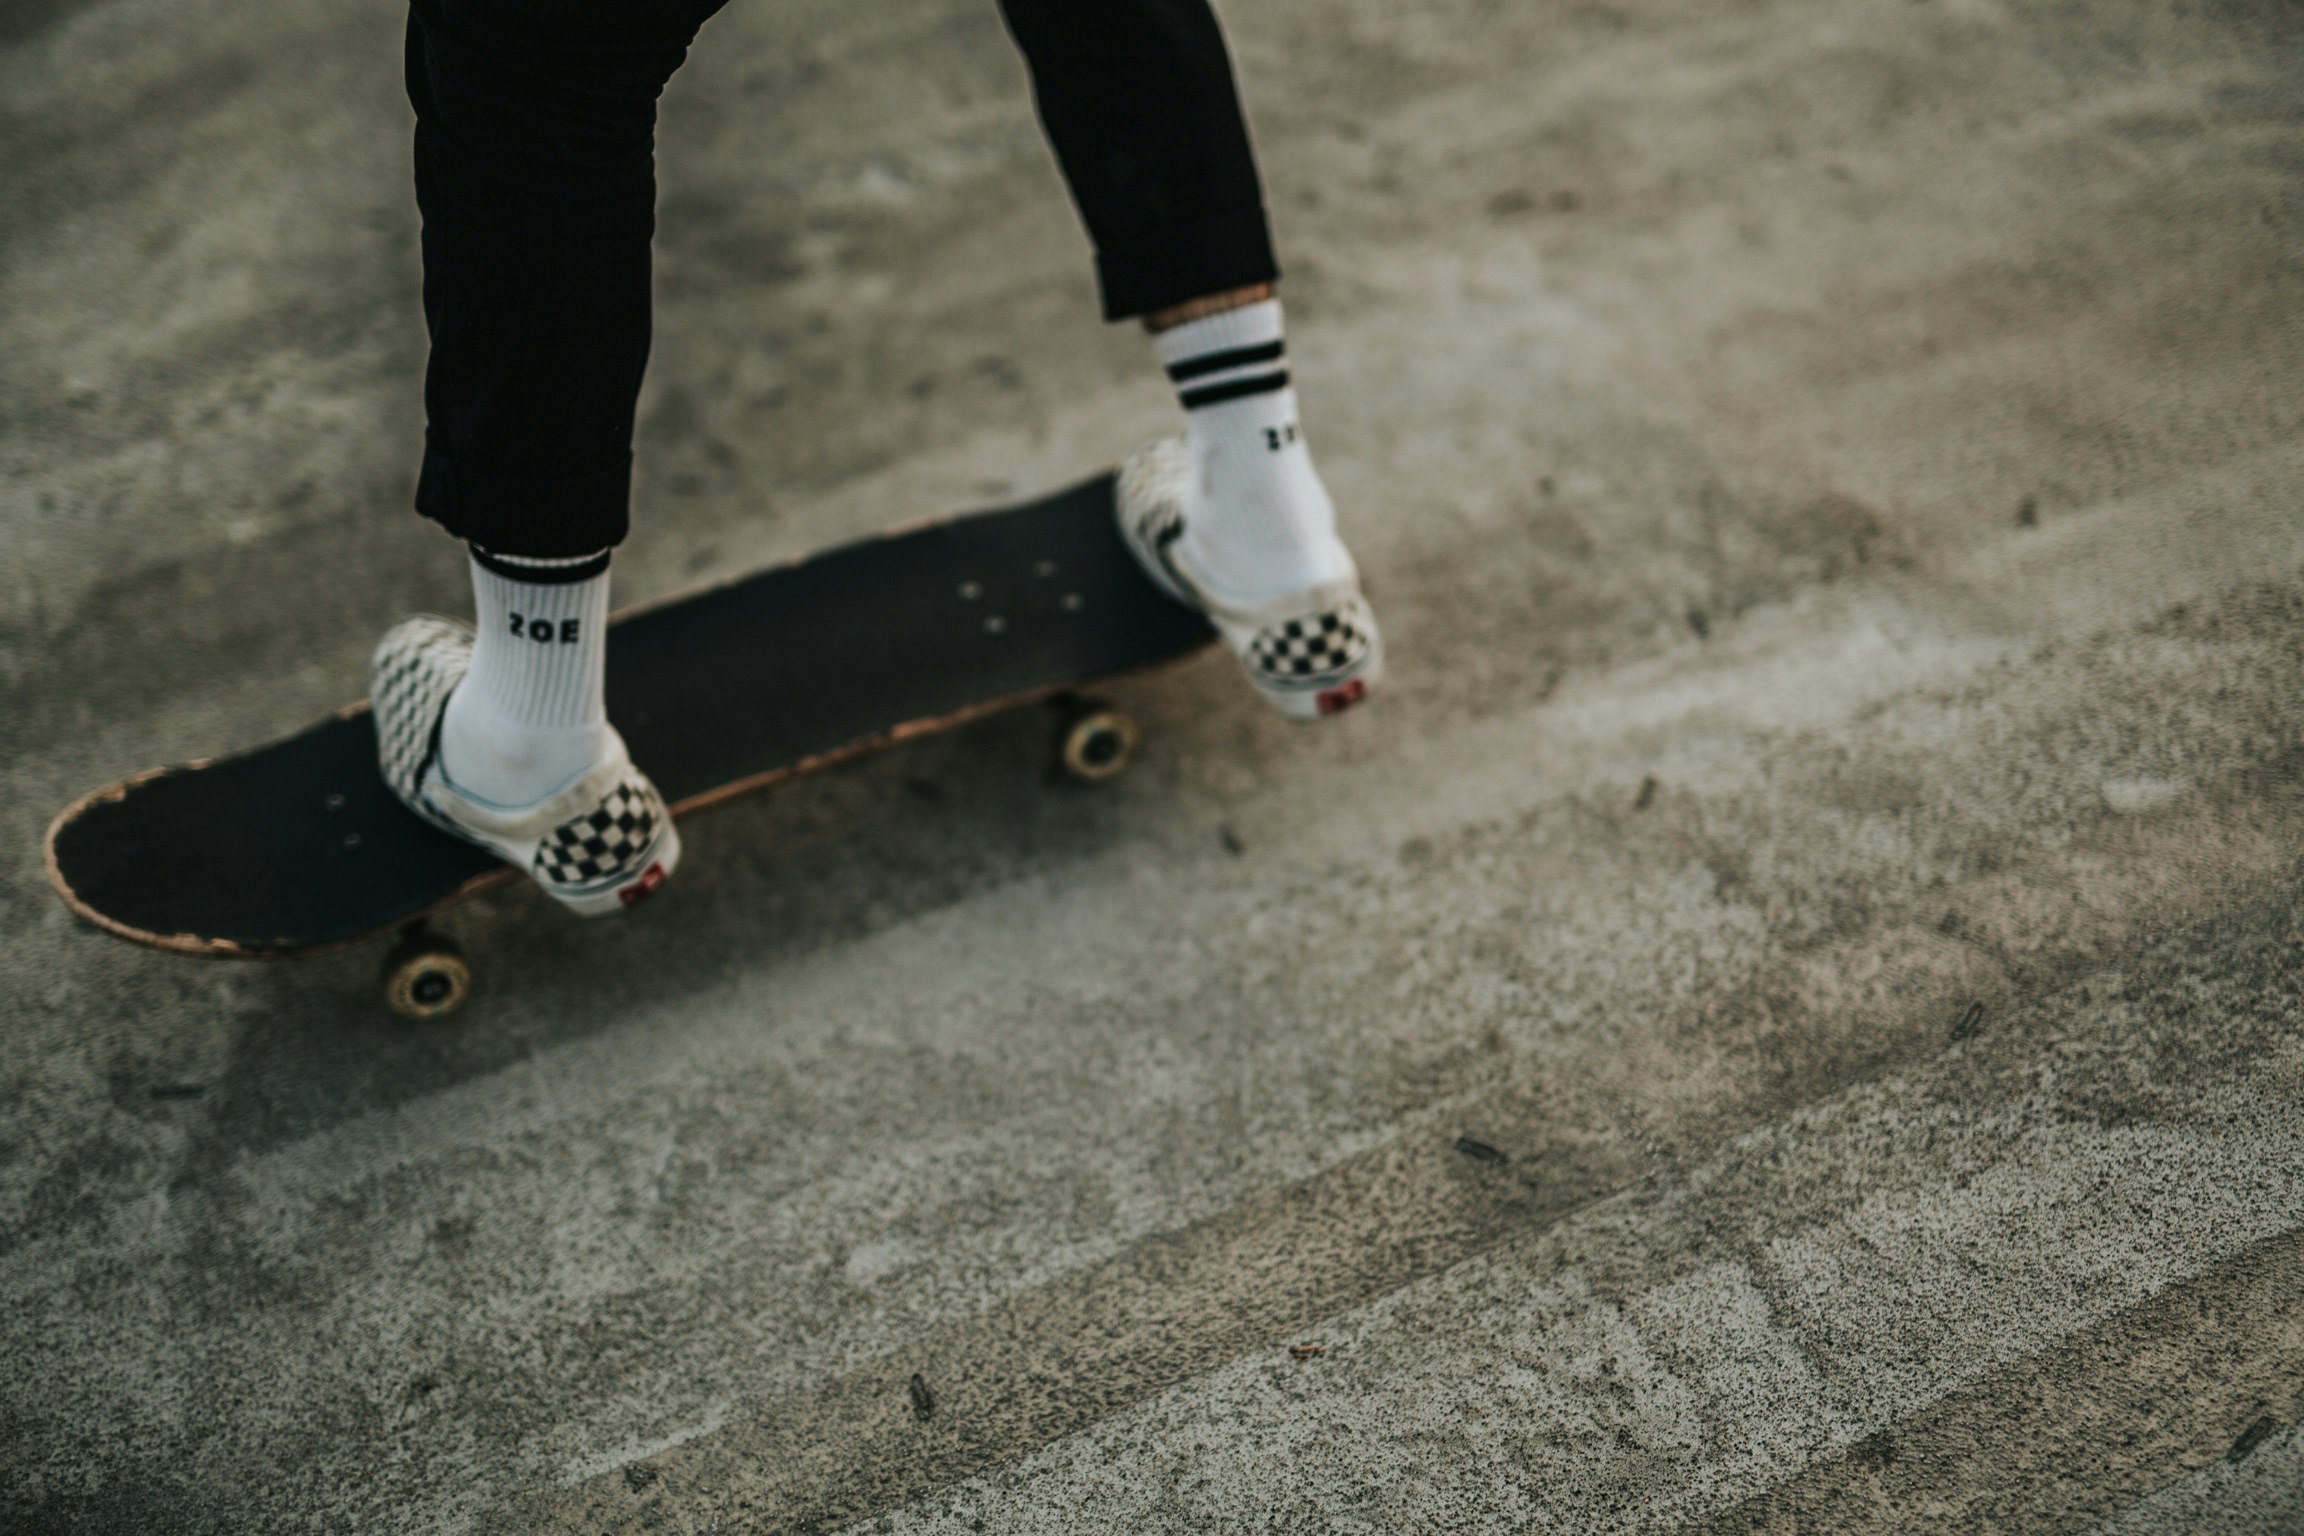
298, 846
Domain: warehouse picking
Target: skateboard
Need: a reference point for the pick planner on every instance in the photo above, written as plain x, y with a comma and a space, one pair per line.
298, 847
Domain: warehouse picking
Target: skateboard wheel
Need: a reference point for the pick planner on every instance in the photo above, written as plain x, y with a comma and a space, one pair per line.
426, 977
1095, 743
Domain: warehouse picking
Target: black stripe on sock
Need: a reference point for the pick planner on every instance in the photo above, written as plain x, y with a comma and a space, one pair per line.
555, 575
1216, 362
1217, 394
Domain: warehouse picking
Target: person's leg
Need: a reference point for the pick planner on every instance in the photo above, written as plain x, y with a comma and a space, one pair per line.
535, 176
1140, 105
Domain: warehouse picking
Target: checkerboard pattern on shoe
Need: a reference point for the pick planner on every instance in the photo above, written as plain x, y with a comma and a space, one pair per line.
1309, 653
1316, 646
604, 842
415, 669
596, 846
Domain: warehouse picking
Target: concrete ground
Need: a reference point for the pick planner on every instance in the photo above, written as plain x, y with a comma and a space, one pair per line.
1786, 1017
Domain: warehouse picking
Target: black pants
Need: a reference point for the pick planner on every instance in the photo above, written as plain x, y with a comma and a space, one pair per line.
536, 175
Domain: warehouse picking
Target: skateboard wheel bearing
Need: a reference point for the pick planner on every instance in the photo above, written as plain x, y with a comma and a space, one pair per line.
426, 976
1095, 742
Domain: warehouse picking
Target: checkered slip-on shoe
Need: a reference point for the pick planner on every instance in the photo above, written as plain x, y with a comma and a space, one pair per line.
1309, 653
598, 846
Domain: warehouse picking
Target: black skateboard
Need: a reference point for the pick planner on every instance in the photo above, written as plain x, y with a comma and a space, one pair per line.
298, 847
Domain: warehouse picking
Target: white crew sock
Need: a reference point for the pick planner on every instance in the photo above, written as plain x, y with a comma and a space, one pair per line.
1259, 522
532, 713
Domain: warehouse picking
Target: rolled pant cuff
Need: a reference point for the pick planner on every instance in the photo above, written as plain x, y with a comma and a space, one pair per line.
514, 515
1168, 266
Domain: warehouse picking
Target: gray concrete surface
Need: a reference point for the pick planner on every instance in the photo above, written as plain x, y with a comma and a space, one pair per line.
1830, 470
